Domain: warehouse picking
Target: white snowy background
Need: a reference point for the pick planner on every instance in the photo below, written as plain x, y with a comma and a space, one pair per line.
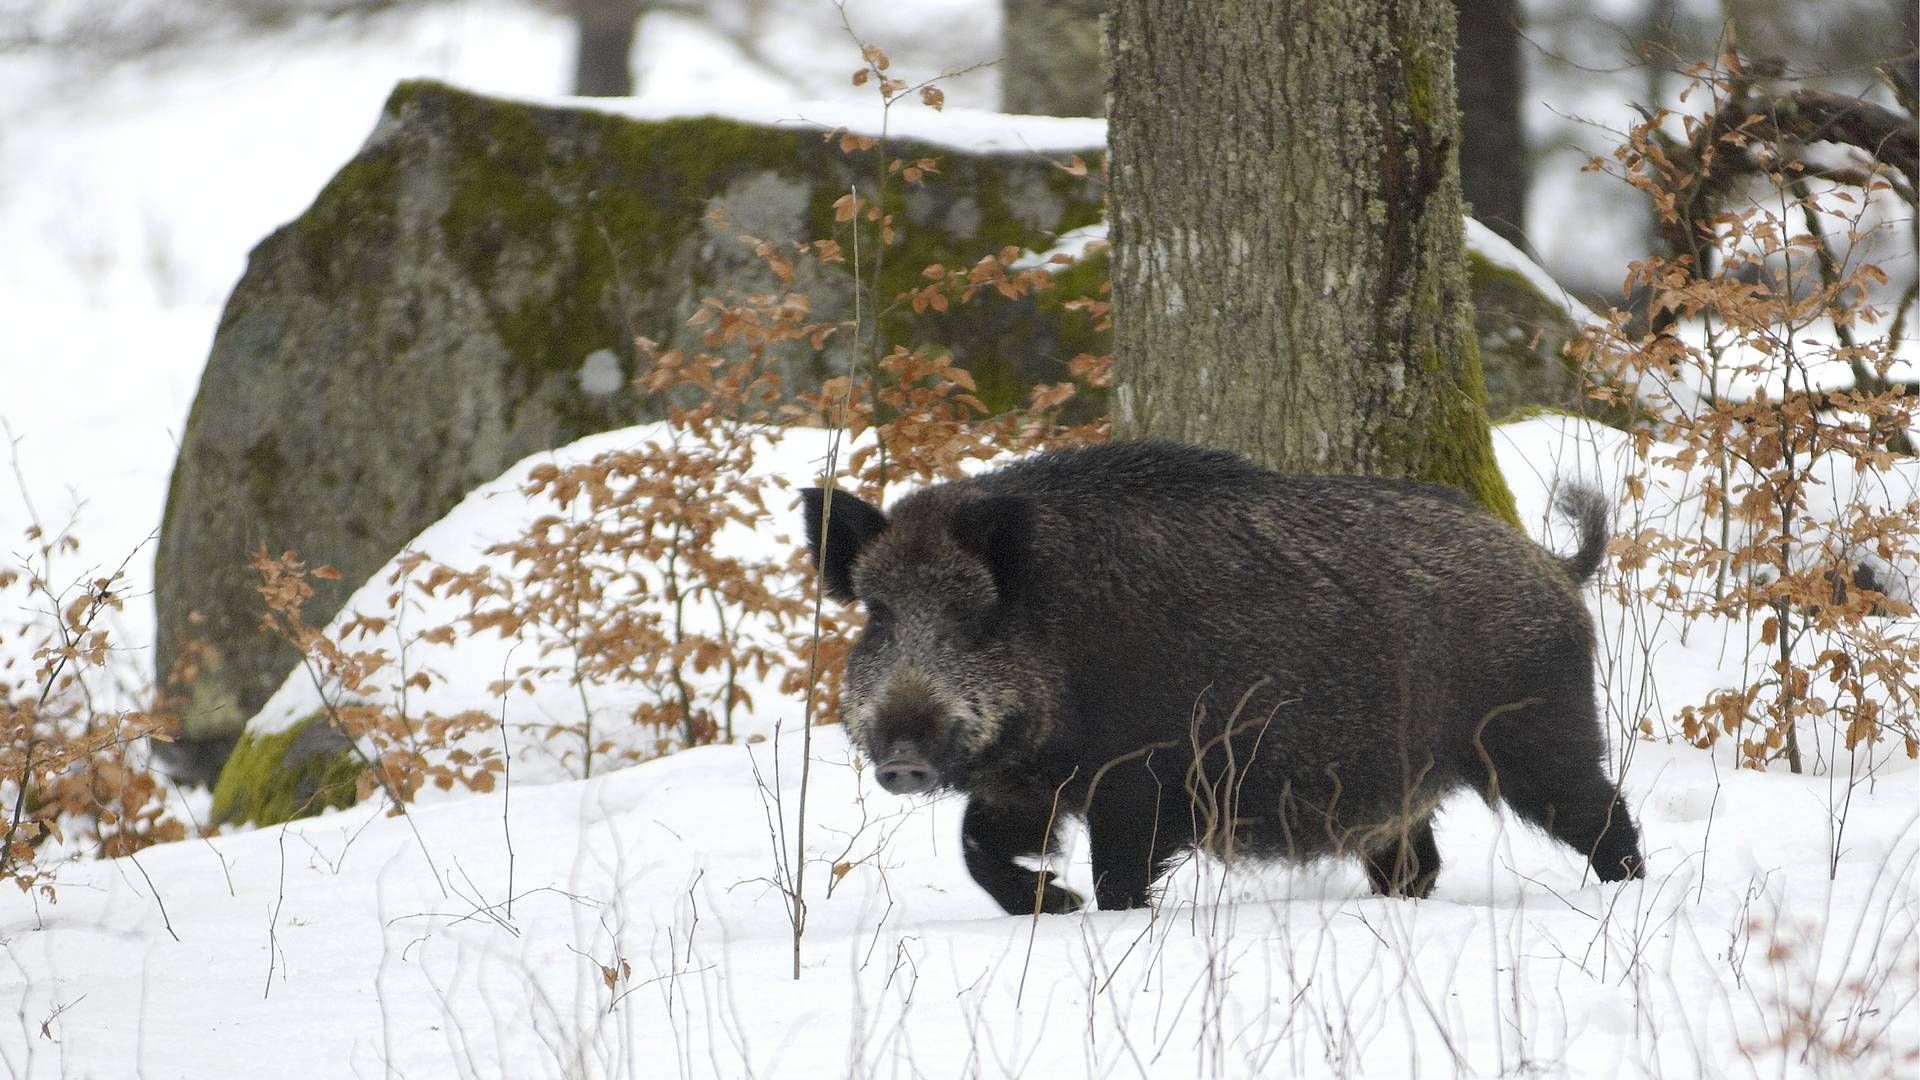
472, 939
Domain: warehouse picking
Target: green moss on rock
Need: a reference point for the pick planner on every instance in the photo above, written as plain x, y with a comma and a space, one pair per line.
362, 199
1483, 271
295, 773
566, 219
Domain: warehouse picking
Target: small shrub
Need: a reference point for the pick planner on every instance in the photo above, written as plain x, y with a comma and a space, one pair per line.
1767, 385
73, 764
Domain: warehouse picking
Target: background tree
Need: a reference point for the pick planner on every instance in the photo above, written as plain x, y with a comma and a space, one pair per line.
1289, 276
602, 66
1493, 155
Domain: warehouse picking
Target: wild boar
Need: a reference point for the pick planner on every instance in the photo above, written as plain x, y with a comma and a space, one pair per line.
1188, 650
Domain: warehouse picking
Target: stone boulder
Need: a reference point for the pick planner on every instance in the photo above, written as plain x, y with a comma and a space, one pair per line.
1524, 321
467, 290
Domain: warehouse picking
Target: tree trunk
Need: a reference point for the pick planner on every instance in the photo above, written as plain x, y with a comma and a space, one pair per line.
1906, 69
1051, 64
1289, 273
1493, 155
602, 62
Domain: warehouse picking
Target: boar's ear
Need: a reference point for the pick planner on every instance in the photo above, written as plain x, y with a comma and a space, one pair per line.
850, 528
999, 531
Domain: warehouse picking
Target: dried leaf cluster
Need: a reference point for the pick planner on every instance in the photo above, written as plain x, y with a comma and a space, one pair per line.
72, 769
403, 750
1764, 373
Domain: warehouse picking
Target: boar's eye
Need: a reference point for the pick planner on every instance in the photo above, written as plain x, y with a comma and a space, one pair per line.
879, 615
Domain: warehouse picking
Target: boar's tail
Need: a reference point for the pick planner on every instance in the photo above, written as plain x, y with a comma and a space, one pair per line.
1588, 509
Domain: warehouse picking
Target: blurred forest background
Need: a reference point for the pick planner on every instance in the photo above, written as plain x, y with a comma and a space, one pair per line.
1545, 84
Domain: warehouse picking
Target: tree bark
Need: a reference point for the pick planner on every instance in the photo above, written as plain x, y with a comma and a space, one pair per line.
1052, 63
602, 61
1289, 272
1493, 154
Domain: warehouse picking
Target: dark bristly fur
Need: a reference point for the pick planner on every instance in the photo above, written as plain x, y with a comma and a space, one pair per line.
1188, 650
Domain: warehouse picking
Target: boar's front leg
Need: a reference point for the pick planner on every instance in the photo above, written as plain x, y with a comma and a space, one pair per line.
993, 835
1132, 836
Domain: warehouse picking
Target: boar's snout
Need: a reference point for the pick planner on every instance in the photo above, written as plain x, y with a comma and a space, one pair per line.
905, 724
905, 772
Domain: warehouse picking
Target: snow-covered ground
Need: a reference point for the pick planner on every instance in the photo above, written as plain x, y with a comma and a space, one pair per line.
624, 926
628, 925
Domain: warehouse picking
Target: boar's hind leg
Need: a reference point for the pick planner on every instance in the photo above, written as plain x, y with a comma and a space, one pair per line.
1594, 821
1587, 816
1407, 864
993, 836
1547, 768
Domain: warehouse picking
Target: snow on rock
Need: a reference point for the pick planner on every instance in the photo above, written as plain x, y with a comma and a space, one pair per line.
1500, 251
974, 130
462, 670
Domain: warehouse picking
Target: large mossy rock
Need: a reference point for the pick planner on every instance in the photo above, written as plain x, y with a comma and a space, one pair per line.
467, 291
